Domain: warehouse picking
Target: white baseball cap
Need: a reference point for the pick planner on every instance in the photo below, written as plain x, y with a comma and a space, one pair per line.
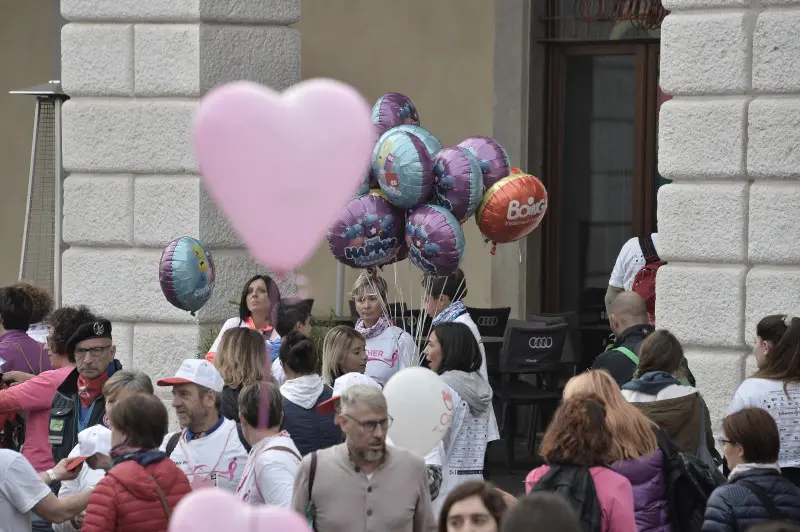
196, 371
92, 441
348, 380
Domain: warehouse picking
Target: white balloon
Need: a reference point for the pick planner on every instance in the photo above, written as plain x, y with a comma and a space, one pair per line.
422, 409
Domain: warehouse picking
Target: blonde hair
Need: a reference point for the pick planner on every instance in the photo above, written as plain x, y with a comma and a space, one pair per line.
632, 433
241, 357
369, 283
127, 380
334, 350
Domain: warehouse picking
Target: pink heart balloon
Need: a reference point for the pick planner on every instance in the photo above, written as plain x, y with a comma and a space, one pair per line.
282, 166
216, 509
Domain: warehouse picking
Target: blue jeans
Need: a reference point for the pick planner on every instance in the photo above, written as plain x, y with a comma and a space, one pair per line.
40, 524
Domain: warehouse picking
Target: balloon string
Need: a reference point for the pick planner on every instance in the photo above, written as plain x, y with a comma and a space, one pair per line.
494, 248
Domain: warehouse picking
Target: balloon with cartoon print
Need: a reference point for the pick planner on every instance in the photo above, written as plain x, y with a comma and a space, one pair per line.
495, 164
457, 182
435, 240
427, 138
368, 233
394, 109
187, 274
404, 168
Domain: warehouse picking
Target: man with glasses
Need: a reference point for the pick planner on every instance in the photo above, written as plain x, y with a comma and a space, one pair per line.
363, 485
79, 402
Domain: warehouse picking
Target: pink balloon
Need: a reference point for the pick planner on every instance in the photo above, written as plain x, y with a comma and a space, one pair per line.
216, 509
283, 166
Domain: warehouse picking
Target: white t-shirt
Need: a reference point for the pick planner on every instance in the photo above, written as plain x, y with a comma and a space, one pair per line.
466, 319
20, 490
465, 448
233, 323
277, 371
769, 395
268, 476
389, 352
217, 459
629, 262
87, 478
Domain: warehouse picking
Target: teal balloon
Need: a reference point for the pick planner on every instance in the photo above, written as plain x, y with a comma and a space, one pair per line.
428, 139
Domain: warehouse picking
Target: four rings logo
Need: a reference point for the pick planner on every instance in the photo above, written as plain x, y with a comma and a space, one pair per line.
487, 321
540, 342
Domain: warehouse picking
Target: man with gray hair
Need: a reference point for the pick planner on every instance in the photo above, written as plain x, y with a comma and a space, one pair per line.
362, 485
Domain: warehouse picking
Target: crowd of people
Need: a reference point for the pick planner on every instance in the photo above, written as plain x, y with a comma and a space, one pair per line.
265, 416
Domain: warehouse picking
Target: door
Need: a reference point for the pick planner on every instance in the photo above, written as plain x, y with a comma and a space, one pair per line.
601, 172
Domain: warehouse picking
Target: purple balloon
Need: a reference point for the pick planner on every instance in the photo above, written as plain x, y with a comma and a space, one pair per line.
435, 240
457, 182
394, 109
492, 157
368, 233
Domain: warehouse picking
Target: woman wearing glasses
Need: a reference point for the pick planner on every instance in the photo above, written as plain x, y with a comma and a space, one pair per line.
453, 354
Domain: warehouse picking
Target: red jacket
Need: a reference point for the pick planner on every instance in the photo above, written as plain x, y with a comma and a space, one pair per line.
126, 500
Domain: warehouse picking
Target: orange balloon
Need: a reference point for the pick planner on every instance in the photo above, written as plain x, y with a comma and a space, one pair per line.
512, 208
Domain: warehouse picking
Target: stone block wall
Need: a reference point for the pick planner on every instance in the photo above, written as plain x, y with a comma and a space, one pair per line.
729, 225
135, 70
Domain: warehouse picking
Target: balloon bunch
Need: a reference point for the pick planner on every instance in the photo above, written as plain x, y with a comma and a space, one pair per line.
417, 194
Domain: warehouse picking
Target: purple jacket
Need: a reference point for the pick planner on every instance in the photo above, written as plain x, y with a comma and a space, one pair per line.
646, 476
23, 353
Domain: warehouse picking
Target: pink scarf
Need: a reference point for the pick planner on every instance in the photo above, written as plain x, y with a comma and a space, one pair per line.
371, 332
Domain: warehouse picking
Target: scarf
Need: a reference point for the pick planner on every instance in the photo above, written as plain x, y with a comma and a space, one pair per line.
742, 468
651, 383
144, 457
266, 331
371, 332
303, 391
472, 387
450, 313
90, 390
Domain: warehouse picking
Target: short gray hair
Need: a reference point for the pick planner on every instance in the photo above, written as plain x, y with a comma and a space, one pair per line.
129, 380
360, 394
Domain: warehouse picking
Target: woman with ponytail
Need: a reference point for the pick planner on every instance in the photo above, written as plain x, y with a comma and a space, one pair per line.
775, 386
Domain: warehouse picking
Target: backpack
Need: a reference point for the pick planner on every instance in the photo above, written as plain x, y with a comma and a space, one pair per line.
644, 283
12, 432
689, 483
576, 485
173, 441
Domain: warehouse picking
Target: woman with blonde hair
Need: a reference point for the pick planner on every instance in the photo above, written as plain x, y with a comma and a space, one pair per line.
240, 360
343, 351
389, 348
634, 450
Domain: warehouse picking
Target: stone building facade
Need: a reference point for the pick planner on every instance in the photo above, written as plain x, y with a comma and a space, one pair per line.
730, 139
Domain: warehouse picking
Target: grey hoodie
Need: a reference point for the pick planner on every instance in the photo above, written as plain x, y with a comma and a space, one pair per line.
472, 387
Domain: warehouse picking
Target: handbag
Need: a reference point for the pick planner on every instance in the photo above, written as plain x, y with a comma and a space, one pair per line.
311, 511
161, 496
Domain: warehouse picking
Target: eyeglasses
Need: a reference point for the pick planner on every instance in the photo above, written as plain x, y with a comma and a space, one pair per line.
371, 425
93, 352
723, 441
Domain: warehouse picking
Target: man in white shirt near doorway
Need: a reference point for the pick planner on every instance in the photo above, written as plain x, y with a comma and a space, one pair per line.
629, 262
210, 450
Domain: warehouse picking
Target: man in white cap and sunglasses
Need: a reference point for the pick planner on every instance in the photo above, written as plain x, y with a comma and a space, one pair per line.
210, 449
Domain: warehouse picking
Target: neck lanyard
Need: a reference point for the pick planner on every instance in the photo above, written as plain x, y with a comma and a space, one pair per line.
259, 449
194, 470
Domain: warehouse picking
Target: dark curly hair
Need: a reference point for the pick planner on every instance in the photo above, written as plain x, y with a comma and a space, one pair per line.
297, 353
63, 322
41, 298
578, 434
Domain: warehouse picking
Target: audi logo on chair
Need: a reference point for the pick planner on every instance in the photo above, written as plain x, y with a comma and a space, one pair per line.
487, 321
540, 342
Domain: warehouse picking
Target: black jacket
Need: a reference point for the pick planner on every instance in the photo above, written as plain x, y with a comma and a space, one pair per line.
64, 415
735, 507
616, 362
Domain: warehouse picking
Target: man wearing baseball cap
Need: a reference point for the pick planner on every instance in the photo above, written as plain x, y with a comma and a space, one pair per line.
210, 450
79, 403
433, 460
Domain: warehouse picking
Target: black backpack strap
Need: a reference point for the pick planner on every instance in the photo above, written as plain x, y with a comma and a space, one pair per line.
242, 439
172, 443
648, 249
772, 512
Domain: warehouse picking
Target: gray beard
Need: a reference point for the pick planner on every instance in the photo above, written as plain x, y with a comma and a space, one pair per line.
372, 456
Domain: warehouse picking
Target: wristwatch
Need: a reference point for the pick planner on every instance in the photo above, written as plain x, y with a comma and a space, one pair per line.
51, 475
